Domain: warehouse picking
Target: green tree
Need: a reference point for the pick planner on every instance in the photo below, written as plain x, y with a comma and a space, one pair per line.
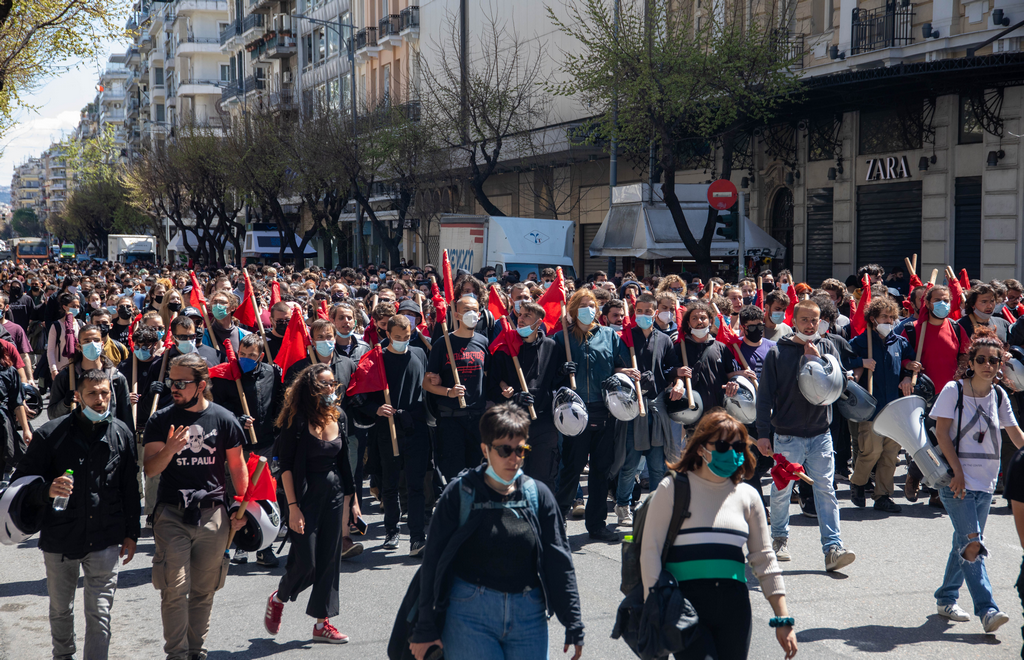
26, 223
668, 75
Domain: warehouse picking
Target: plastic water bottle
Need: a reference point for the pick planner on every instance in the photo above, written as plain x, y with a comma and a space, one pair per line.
275, 466
61, 503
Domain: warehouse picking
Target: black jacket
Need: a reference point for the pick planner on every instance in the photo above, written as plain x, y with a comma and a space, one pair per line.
264, 394
104, 508
557, 575
539, 361
292, 449
779, 400
119, 394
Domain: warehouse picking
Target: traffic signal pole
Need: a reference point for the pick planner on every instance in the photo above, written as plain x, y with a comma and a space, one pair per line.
741, 239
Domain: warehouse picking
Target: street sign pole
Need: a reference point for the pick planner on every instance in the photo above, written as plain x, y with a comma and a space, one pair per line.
741, 236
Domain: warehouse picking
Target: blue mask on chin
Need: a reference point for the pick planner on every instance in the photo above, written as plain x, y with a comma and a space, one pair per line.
494, 475
94, 416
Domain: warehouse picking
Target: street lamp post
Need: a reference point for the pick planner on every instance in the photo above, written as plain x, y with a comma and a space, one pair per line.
339, 28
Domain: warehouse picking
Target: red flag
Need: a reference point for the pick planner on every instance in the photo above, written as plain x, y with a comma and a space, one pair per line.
965, 282
552, 301
915, 282
759, 299
446, 272
369, 375
1008, 316
858, 324
440, 306
264, 489
726, 334
230, 369
629, 321
246, 312
791, 292
784, 471
196, 298
508, 340
321, 312
956, 298
1020, 310
295, 344
494, 304
168, 339
131, 332
370, 334
275, 293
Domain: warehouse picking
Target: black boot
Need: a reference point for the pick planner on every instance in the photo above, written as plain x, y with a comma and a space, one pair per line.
857, 496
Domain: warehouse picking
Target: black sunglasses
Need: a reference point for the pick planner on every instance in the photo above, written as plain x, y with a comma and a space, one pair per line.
724, 445
993, 360
507, 450
179, 384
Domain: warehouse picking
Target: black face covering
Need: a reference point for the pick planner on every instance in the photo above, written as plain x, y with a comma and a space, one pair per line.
767, 287
174, 307
754, 333
749, 300
281, 326
104, 329
123, 313
191, 402
158, 299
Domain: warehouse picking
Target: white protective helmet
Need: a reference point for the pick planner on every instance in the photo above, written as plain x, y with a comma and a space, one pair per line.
821, 379
18, 524
570, 412
620, 397
743, 404
262, 523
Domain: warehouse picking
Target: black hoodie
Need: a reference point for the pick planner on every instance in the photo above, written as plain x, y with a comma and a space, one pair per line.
780, 403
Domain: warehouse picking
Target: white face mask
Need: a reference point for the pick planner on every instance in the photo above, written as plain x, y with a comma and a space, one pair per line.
666, 317
822, 327
884, 329
700, 333
805, 338
616, 328
470, 319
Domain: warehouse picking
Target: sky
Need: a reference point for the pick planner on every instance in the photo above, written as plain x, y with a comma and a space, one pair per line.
58, 108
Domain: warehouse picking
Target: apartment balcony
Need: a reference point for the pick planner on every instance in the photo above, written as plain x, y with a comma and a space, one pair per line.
172, 101
890, 26
366, 44
192, 6
229, 33
133, 56
133, 108
195, 87
194, 45
110, 117
409, 22
281, 46
145, 43
157, 91
253, 84
110, 95
229, 93
253, 23
389, 31
58, 186
789, 46
262, 5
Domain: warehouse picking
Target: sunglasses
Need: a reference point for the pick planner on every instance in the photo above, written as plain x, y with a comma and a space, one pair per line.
507, 450
755, 327
982, 360
332, 385
184, 337
179, 384
724, 445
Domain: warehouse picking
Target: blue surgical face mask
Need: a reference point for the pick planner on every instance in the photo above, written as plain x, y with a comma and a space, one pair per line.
492, 280
999, 308
247, 364
161, 334
547, 285
143, 354
725, 463
525, 331
644, 321
778, 317
186, 347
494, 475
400, 346
91, 350
586, 315
219, 311
516, 304
345, 335
940, 309
128, 293
94, 416
373, 286
325, 348
112, 310
469, 295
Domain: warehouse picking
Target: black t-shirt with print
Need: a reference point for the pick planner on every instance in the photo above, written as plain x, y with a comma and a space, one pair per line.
471, 359
201, 463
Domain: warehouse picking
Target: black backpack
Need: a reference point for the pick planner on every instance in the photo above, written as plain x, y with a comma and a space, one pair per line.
631, 545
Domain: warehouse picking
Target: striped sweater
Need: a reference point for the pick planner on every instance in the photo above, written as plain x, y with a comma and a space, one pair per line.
723, 517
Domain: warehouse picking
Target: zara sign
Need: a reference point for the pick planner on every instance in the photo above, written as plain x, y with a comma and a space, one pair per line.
883, 169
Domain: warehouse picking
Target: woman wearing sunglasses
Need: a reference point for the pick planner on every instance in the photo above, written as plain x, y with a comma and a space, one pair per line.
707, 555
969, 412
317, 480
476, 602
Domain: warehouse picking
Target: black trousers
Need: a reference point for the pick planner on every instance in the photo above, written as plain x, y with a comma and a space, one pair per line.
1020, 594
414, 459
358, 440
314, 557
458, 444
723, 609
542, 463
596, 443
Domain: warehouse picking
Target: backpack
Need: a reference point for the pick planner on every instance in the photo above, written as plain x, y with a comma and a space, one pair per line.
468, 503
631, 546
960, 410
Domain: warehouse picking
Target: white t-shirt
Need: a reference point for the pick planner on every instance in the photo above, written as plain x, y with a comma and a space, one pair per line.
980, 440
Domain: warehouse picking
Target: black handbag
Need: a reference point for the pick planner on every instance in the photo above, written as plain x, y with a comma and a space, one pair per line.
664, 624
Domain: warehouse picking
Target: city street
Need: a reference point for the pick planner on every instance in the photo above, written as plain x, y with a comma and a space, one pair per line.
881, 607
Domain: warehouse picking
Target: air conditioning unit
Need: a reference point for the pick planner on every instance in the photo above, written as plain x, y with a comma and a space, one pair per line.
286, 76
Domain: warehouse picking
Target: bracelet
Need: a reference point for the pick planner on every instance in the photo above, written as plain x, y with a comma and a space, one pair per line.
447, 392
291, 504
781, 621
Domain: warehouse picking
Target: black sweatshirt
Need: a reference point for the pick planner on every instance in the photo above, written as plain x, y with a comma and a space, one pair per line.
779, 400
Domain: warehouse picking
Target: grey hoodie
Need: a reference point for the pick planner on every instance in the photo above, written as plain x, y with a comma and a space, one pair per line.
779, 400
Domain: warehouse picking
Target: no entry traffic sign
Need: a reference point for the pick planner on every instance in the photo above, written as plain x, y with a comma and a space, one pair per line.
722, 194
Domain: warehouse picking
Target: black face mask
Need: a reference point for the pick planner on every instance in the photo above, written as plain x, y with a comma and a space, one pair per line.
337, 297
104, 329
749, 300
158, 299
174, 307
191, 402
15, 293
767, 287
281, 326
754, 332
123, 313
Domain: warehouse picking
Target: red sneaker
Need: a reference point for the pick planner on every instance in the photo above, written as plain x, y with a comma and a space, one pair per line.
272, 617
329, 634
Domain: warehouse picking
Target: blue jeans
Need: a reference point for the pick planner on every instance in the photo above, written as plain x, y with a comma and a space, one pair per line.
968, 516
627, 477
483, 623
815, 454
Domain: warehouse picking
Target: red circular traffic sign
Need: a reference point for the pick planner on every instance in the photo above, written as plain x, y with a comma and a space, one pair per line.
722, 194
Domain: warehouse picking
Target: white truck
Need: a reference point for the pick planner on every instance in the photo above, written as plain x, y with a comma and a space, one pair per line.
127, 248
523, 244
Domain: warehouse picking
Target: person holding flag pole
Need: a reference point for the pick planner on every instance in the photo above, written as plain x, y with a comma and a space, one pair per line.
553, 300
442, 319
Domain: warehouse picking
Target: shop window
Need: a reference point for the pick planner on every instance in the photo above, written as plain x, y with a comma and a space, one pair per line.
891, 129
970, 131
820, 136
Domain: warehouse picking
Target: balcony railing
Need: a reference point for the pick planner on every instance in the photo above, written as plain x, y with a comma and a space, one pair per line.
366, 38
229, 92
790, 47
885, 27
228, 33
410, 18
389, 26
252, 84
252, 21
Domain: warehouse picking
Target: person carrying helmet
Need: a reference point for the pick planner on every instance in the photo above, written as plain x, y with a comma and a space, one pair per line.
754, 349
802, 430
647, 435
101, 520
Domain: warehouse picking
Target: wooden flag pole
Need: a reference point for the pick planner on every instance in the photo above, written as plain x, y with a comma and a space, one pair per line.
240, 513
924, 328
951, 276
71, 381
871, 376
259, 324
163, 369
522, 383
689, 387
935, 274
451, 359
568, 348
738, 353
910, 267
135, 388
913, 262
391, 421
245, 410
636, 383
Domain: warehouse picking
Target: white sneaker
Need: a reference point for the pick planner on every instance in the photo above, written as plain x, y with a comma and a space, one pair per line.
953, 612
991, 621
579, 508
781, 548
838, 557
624, 514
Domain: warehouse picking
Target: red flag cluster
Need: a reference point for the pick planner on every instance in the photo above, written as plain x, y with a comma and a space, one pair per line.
552, 301
369, 375
295, 345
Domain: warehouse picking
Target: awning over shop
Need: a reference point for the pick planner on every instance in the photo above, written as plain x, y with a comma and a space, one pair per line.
177, 243
268, 244
647, 232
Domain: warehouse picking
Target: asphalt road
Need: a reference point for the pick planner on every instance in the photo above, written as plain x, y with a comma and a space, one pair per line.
880, 607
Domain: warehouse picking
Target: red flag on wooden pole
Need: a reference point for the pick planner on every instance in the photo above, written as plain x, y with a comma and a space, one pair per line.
246, 312
552, 301
369, 375
295, 344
